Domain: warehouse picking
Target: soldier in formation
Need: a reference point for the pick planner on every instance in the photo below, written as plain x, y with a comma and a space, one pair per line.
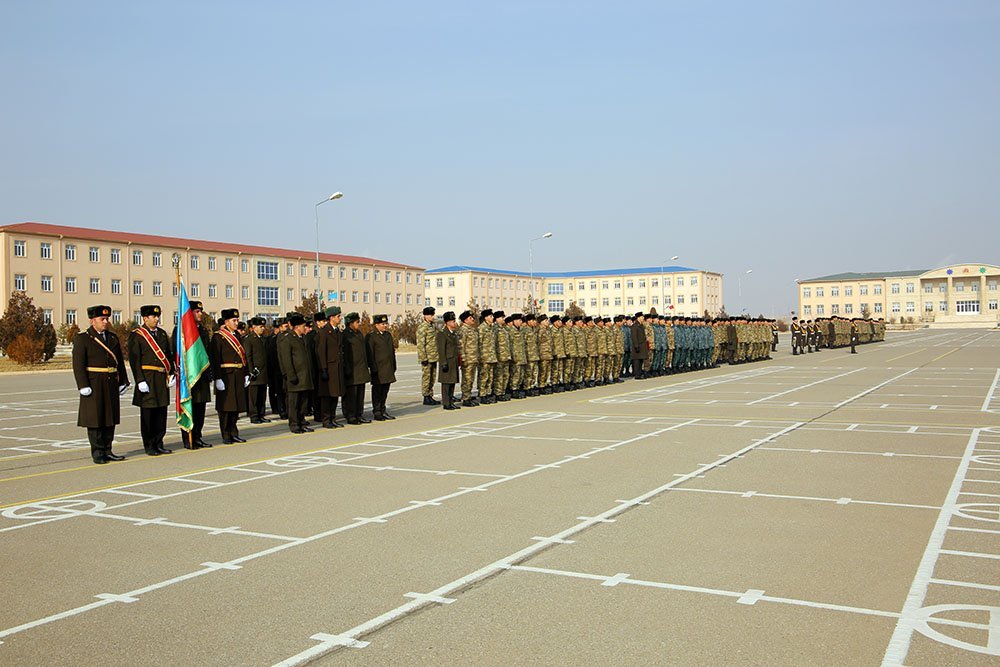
99, 372
152, 362
381, 352
427, 354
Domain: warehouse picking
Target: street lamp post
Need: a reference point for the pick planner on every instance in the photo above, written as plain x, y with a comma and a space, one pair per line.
663, 287
335, 195
739, 280
531, 269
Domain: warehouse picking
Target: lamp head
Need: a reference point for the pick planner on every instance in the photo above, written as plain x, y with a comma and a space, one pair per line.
335, 195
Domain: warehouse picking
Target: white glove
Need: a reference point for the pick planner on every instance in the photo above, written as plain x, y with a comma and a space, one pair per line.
246, 382
122, 389
220, 385
143, 387
172, 381
86, 391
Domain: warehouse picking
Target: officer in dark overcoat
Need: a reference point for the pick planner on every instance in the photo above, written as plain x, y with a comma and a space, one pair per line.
381, 365
152, 363
201, 392
297, 366
256, 349
330, 366
356, 373
448, 360
99, 371
229, 368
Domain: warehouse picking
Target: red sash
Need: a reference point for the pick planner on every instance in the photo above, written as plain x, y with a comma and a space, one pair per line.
114, 359
235, 343
155, 347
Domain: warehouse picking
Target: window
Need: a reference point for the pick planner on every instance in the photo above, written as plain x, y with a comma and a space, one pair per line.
289, 294
212, 290
354, 275
365, 272
848, 291
909, 288
680, 298
174, 289
895, 307
409, 299
195, 289
399, 277
605, 302
399, 299
557, 305
807, 310
211, 264
229, 291
877, 289
440, 283
967, 307
910, 307
21, 282
365, 297
267, 271
95, 285
694, 298
894, 288
618, 301
992, 286
819, 309
629, 284
848, 308
878, 307
593, 284
992, 305
440, 301
46, 251
245, 292
157, 259
194, 261
377, 273
928, 288
666, 300
943, 288
451, 281
974, 287
303, 270
71, 285
618, 284
863, 290
245, 265
656, 301
642, 301
329, 273
604, 284
630, 301
834, 291
229, 264
959, 287
694, 280
819, 293
137, 258
555, 289
157, 288
451, 301
864, 308
137, 288
20, 249
354, 297
71, 316
680, 281
47, 316
929, 306
267, 296
388, 298
806, 292
378, 297
95, 254
116, 286
70, 250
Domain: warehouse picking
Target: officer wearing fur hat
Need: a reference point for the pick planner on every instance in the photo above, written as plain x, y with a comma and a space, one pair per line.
356, 373
99, 371
381, 365
297, 366
427, 355
448, 358
275, 379
330, 362
152, 362
229, 368
201, 392
256, 350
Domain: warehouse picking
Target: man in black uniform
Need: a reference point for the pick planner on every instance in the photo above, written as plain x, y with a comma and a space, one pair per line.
320, 322
854, 334
201, 392
329, 362
153, 370
381, 365
99, 371
275, 380
229, 368
447, 353
256, 350
356, 373
297, 365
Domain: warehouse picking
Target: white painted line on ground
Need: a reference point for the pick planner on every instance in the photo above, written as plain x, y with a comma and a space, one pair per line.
970, 554
875, 388
751, 597
805, 386
990, 393
111, 597
429, 598
965, 584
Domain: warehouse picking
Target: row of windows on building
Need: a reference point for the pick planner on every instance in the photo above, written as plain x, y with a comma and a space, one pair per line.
558, 304
909, 288
265, 270
966, 306
558, 288
266, 296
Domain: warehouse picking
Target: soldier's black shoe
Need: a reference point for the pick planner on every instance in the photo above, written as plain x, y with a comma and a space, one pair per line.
113, 457
237, 438
364, 421
256, 421
468, 404
100, 460
164, 450
386, 415
353, 422
533, 391
451, 407
152, 452
202, 443
378, 418
429, 400
546, 390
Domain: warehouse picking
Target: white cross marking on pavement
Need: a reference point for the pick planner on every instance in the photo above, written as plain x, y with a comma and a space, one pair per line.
615, 580
750, 597
429, 598
222, 566
339, 640
111, 597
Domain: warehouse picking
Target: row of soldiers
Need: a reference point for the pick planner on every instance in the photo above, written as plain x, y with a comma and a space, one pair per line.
516, 356
832, 332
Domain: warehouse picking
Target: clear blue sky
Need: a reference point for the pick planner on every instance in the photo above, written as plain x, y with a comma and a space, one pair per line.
793, 138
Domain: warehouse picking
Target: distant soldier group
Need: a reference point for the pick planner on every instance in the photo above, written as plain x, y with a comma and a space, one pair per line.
519, 355
831, 332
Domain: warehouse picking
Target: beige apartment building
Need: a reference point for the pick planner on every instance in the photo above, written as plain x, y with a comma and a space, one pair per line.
66, 269
671, 290
957, 295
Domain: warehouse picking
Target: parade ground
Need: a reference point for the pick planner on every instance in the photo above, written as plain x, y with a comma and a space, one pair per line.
822, 509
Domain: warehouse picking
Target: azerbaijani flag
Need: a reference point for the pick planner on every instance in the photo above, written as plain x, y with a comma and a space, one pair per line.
192, 359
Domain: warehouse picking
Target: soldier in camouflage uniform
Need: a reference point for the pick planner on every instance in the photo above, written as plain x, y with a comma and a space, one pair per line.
545, 355
501, 374
601, 342
531, 343
427, 355
580, 331
611, 358
487, 356
618, 353
468, 345
590, 337
519, 351
558, 354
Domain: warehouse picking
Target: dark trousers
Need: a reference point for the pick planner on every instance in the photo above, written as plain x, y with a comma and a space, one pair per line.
227, 425
297, 409
100, 441
380, 392
626, 364
198, 423
153, 426
354, 401
328, 409
774, 344
258, 396
854, 341
276, 394
447, 394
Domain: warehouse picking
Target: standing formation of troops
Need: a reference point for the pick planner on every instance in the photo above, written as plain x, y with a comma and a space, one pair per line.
516, 356
831, 332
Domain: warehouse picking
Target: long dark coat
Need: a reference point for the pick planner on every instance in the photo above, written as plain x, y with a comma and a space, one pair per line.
101, 409
355, 358
381, 357
256, 351
201, 392
274, 378
141, 354
234, 397
329, 358
639, 348
447, 349
296, 363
